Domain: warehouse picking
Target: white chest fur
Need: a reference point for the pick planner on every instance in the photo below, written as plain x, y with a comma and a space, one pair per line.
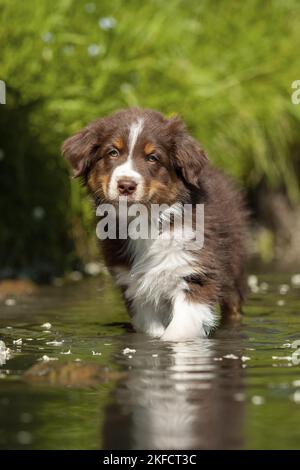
155, 287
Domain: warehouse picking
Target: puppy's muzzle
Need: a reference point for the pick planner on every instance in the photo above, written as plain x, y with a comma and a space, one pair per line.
126, 187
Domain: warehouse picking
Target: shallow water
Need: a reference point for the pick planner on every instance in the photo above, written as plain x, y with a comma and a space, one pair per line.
239, 389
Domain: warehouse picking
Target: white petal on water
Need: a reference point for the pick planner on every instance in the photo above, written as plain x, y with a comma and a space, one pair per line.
230, 356
282, 358
258, 400
46, 358
252, 281
296, 396
55, 343
296, 383
245, 358
10, 302
66, 352
93, 268
283, 289
280, 303
47, 325
128, 351
18, 341
94, 353
154, 355
295, 280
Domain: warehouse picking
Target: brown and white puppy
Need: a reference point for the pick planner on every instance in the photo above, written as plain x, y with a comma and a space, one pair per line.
170, 288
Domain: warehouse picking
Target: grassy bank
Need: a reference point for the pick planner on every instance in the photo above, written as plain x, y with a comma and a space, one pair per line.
225, 67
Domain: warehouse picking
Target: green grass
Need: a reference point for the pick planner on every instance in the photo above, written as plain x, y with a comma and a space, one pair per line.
225, 67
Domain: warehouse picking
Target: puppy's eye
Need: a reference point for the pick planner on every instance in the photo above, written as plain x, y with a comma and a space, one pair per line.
152, 158
114, 153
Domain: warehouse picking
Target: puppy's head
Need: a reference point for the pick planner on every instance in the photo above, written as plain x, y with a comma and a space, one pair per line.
136, 154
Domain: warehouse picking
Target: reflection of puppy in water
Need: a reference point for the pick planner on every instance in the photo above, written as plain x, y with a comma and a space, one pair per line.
182, 399
170, 286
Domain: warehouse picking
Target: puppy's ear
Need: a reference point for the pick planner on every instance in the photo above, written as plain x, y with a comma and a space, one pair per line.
189, 156
80, 149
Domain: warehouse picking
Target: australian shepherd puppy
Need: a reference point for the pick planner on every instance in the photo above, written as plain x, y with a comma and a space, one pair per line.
171, 285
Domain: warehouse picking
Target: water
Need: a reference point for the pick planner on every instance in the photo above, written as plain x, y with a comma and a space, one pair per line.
174, 396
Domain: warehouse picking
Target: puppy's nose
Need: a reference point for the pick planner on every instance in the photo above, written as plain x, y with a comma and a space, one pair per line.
126, 187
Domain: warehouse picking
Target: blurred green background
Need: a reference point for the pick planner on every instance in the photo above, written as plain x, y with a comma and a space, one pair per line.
225, 67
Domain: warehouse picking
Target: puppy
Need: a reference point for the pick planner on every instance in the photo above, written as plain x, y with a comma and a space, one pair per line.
171, 285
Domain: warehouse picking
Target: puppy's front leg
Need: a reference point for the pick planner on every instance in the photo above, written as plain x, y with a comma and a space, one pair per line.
190, 320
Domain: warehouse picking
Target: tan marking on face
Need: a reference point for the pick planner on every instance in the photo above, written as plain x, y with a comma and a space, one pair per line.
104, 181
149, 148
92, 181
156, 188
97, 182
119, 143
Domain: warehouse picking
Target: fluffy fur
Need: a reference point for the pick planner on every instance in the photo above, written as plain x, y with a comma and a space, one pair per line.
170, 287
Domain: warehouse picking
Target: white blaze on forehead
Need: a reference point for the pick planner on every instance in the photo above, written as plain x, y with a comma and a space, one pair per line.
134, 131
126, 170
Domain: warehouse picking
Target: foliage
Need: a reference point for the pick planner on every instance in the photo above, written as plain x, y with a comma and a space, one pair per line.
225, 67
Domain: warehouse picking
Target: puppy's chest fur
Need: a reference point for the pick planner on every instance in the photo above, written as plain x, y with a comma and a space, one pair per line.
152, 279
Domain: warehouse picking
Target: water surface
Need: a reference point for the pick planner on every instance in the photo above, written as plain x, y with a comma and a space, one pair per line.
239, 389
